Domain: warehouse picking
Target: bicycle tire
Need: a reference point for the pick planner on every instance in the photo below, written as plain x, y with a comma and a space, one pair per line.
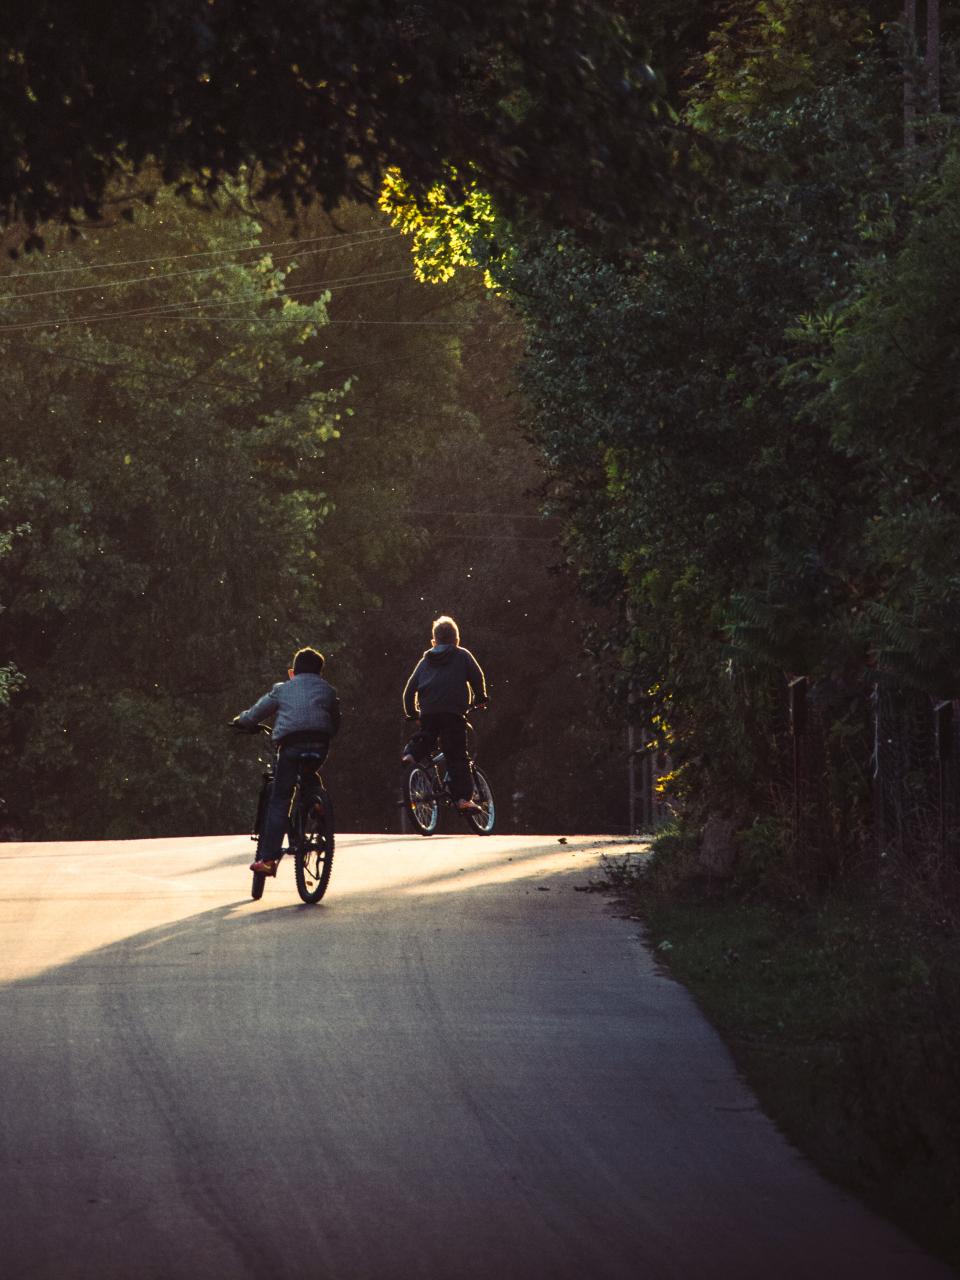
313, 840
421, 803
259, 879
484, 821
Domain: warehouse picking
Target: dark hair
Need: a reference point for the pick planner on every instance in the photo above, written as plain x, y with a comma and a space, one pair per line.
445, 631
307, 660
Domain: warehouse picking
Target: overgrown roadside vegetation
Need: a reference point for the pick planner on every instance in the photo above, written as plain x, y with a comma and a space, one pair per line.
842, 1011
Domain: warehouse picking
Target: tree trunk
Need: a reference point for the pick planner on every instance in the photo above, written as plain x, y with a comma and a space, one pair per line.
933, 55
909, 75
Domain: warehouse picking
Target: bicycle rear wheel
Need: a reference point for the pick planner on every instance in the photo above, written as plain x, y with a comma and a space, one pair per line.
256, 888
313, 847
484, 819
420, 800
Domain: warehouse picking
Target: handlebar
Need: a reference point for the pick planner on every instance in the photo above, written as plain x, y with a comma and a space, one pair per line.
474, 706
237, 727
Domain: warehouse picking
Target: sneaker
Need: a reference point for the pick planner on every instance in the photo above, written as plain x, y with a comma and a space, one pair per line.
265, 866
466, 806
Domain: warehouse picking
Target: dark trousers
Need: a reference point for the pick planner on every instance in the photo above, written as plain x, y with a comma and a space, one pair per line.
451, 730
285, 774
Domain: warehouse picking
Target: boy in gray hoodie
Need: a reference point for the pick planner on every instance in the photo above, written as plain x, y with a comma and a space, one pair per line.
444, 683
306, 714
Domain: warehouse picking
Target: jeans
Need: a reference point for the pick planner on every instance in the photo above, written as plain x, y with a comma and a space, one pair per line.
451, 729
285, 775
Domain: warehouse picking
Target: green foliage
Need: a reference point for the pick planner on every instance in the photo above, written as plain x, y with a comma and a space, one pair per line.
189, 526
744, 412
164, 466
322, 99
767, 54
743, 421
732, 434
664, 418
10, 678
889, 384
436, 512
669, 865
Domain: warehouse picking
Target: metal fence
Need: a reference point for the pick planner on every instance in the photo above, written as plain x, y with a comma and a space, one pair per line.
872, 775
647, 807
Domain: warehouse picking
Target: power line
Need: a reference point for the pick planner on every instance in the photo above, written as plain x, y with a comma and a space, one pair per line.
172, 275
450, 324
181, 310
392, 276
493, 537
485, 515
384, 232
278, 319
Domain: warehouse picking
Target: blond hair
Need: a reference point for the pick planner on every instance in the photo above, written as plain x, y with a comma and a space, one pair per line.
445, 631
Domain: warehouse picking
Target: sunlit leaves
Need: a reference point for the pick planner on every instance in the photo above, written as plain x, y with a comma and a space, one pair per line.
452, 226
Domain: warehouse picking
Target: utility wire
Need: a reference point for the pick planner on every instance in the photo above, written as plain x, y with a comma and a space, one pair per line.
372, 232
288, 290
391, 276
448, 324
493, 537
279, 319
171, 275
485, 515
175, 310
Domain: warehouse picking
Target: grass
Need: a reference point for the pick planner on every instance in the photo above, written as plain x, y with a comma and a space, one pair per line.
843, 1014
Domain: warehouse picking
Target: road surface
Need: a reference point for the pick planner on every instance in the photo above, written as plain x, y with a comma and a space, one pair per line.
459, 1066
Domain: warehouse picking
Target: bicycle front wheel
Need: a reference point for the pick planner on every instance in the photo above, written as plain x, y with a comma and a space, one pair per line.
313, 847
484, 819
421, 802
256, 888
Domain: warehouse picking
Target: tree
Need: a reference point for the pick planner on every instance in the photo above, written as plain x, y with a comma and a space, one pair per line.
889, 388
435, 509
549, 100
164, 449
697, 490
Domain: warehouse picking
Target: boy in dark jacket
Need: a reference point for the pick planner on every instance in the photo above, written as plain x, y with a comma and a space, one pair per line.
443, 684
306, 714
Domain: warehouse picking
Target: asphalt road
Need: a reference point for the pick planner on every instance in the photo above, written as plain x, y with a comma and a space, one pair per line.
457, 1067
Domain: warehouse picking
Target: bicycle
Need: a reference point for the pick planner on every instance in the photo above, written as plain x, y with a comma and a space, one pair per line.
426, 787
310, 834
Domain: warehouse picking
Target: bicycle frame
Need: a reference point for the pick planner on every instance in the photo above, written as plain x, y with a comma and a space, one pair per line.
309, 827
309, 785
305, 776
427, 789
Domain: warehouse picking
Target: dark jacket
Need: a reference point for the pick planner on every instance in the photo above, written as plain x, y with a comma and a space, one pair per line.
445, 680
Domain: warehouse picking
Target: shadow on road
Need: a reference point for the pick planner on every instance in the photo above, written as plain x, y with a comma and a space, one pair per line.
394, 1085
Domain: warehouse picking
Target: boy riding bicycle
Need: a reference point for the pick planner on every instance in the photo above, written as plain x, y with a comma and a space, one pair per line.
444, 683
307, 715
